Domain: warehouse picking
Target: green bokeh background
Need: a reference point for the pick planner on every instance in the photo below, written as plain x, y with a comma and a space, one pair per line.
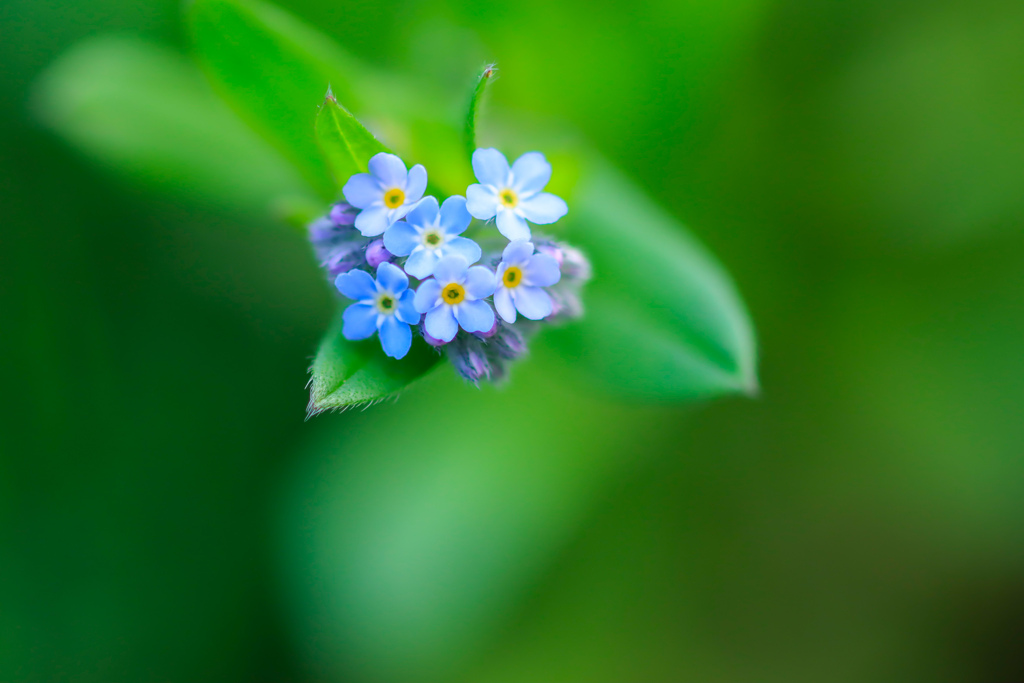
167, 515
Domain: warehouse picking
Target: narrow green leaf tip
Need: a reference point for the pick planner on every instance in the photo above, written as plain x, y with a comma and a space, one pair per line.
486, 76
344, 142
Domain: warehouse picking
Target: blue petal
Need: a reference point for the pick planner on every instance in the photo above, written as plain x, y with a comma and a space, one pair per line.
464, 247
481, 202
490, 167
474, 316
427, 296
509, 224
356, 284
416, 184
451, 269
424, 215
532, 302
479, 282
421, 263
454, 217
400, 213
406, 311
362, 191
372, 222
395, 337
388, 169
541, 271
360, 322
530, 173
391, 278
504, 305
516, 253
543, 208
401, 238
440, 323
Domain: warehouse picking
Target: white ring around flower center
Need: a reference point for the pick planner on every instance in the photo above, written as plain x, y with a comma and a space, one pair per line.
432, 238
387, 304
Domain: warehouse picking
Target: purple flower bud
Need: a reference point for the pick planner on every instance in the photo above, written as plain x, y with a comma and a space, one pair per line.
343, 214
377, 254
469, 358
489, 333
552, 251
321, 230
436, 343
509, 343
338, 248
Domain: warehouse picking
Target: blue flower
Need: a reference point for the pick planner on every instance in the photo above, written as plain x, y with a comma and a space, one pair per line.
427, 235
453, 298
519, 279
513, 195
384, 306
385, 194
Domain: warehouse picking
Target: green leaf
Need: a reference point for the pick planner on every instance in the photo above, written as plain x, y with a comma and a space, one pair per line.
146, 113
416, 529
486, 78
273, 70
663, 320
346, 373
346, 144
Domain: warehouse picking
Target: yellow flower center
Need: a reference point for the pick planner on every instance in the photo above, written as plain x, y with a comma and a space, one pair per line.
512, 277
453, 294
432, 238
394, 198
508, 198
386, 304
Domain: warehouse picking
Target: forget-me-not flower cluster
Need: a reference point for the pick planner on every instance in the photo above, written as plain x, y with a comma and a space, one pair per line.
479, 307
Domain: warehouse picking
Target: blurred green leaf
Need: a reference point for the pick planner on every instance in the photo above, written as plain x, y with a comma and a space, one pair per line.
273, 70
346, 145
663, 320
346, 373
145, 112
486, 78
415, 529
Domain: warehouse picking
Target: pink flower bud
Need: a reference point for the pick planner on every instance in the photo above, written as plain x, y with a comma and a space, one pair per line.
552, 251
377, 254
436, 343
489, 333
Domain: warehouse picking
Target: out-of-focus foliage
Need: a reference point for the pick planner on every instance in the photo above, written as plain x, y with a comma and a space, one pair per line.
665, 321
166, 514
145, 112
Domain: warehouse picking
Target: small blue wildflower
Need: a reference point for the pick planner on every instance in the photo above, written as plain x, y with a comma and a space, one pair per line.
384, 306
454, 298
513, 194
519, 279
428, 234
385, 194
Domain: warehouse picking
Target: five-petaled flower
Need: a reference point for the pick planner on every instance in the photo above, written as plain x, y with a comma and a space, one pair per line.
427, 235
384, 306
513, 195
386, 194
519, 280
454, 298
